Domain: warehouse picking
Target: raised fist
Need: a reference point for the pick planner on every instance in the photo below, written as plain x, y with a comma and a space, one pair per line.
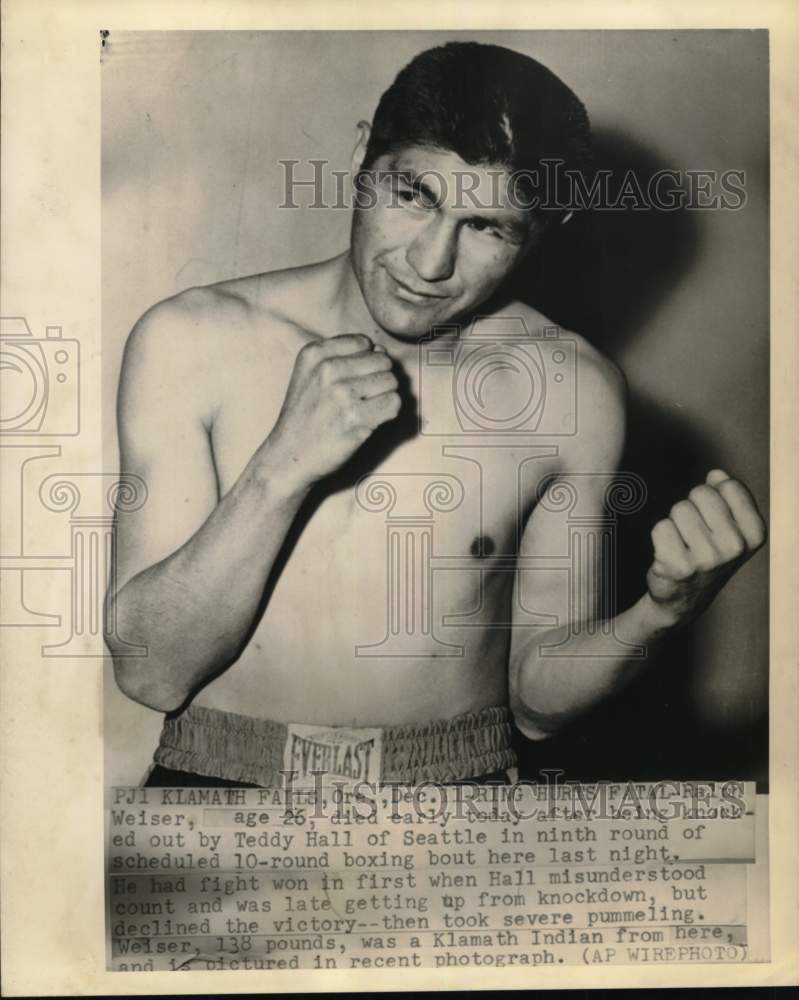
341, 389
699, 546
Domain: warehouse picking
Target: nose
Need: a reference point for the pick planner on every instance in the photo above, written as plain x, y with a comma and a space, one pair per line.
432, 252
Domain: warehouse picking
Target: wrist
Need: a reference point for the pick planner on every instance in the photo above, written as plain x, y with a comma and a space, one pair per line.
280, 473
659, 618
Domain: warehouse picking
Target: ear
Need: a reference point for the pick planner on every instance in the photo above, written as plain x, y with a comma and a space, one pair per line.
358, 154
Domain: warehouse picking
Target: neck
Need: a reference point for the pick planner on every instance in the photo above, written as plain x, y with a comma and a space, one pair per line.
353, 316
352, 313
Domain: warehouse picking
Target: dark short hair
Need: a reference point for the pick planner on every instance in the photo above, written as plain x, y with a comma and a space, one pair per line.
488, 104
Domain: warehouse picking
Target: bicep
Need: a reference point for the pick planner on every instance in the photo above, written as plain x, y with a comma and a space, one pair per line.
560, 558
164, 441
566, 550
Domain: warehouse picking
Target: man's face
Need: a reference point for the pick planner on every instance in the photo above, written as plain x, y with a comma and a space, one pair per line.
434, 237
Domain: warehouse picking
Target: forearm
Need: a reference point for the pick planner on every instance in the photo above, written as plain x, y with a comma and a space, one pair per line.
194, 609
549, 688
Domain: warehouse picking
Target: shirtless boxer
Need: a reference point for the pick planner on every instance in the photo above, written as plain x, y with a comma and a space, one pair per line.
256, 575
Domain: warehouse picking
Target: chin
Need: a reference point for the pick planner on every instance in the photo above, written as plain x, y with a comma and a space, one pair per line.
408, 321
415, 330
410, 331
404, 324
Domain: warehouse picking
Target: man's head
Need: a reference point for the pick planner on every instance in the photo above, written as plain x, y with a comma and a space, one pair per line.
455, 153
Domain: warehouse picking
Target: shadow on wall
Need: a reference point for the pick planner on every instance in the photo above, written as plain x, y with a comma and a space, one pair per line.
603, 275
605, 271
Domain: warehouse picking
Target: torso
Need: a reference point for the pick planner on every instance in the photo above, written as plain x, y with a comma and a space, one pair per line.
377, 616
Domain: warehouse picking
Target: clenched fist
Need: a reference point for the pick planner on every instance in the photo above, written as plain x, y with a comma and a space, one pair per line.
705, 539
341, 389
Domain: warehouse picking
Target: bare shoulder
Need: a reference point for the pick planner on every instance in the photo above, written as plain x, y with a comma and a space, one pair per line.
601, 401
601, 380
211, 316
598, 401
205, 336
178, 329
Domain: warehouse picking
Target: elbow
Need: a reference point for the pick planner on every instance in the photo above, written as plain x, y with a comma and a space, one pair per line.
137, 683
143, 678
534, 725
532, 728
530, 717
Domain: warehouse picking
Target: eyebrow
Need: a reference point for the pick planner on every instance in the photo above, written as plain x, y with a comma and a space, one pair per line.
515, 228
412, 179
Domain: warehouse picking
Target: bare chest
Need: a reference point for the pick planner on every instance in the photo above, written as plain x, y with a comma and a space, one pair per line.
469, 492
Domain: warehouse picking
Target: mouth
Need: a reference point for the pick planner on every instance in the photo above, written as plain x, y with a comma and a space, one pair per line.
410, 294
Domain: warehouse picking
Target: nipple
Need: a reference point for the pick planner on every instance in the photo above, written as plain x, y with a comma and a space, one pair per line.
482, 546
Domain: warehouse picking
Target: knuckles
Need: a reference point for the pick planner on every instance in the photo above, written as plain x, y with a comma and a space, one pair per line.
327, 370
733, 548
322, 349
359, 341
389, 407
309, 353
683, 570
703, 493
730, 485
689, 544
660, 529
669, 553
683, 508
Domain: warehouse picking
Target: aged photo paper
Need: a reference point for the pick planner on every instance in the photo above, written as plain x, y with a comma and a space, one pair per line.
398, 435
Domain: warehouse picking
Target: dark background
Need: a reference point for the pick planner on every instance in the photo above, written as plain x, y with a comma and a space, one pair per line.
193, 126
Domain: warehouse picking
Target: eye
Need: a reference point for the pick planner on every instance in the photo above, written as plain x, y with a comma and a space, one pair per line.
415, 199
408, 196
483, 226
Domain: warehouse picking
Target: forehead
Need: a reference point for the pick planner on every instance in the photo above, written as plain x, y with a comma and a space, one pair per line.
448, 176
